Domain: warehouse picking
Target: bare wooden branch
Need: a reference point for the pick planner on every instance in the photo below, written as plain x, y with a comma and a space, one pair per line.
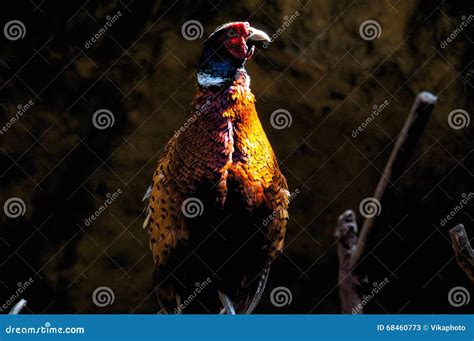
395, 167
346, 235
17, 308
352, 248
463, 250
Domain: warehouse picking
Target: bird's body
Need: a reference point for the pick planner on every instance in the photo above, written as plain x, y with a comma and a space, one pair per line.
218, 203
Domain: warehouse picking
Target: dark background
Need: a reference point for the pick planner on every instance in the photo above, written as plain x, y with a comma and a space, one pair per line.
319, 69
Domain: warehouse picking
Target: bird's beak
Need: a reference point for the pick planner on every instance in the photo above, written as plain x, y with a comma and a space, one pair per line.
257, 35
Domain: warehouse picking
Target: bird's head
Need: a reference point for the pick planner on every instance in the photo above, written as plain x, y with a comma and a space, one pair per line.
226, 51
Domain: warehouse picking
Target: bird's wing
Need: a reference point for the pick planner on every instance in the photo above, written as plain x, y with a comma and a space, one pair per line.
164, 219
278, 197
254, 292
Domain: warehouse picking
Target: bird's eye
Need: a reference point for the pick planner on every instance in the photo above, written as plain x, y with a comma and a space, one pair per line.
231, 33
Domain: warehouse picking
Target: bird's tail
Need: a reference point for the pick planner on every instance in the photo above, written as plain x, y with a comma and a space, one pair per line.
249, 305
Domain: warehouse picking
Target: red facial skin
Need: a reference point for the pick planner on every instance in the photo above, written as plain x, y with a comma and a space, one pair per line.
234, 40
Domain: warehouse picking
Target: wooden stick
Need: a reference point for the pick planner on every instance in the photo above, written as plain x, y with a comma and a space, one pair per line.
463, 250
351, 247
401, 153
346, 235
17, 308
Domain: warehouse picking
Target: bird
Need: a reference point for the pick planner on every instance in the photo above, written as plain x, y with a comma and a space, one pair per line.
217, 206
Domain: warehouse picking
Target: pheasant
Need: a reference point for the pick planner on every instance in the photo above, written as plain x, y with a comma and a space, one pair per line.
217, 204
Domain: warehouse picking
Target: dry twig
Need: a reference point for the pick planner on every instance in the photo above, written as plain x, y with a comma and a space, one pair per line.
463, 250
17, 308
352, 247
